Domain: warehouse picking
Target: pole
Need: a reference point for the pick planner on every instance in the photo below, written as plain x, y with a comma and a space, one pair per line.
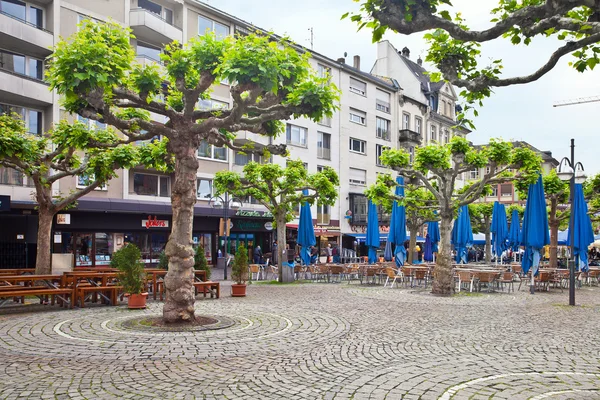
571, 233
226, 231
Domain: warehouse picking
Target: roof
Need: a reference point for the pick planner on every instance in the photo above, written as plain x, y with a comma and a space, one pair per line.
390, 84
421, 73
545, 154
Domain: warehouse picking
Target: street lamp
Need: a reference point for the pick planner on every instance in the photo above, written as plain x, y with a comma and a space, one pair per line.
235, 204
568, 170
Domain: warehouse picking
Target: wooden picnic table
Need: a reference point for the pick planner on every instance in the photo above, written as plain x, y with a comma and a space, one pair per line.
158, 285
17, 271
19, 286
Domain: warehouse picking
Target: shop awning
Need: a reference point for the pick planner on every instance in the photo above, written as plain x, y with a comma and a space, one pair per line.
318, 231
138, 206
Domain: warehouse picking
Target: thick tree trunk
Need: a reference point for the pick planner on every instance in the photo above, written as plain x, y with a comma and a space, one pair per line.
179, 303
412, 244
43, 261
443, 281
286, 274
488, 244
553, 224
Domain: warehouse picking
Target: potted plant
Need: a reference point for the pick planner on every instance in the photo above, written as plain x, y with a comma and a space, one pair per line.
131, 274
200, 262
239, 272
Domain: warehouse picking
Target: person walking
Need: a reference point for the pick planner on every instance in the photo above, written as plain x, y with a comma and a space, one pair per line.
328, 252
274, 251
257, 255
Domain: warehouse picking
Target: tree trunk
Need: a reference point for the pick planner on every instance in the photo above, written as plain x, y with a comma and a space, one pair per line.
488, 244
179, 303
443, 281
553, 224
286, 274
43, 261
412, 244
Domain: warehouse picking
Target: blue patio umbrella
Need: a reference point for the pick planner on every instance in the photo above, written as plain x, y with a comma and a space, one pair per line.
583, 233
428, 249
372, 240
499, 230
535, 234
397, 235
462, 234
515, 231
433, 230
306, 231
387, 253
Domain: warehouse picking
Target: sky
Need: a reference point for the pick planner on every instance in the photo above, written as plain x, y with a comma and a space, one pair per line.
513, 113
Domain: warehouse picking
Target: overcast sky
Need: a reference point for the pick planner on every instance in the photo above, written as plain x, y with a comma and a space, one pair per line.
517, 112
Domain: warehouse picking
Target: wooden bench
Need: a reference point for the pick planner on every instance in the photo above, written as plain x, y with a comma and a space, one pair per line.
112, 291
213, 287
21, 291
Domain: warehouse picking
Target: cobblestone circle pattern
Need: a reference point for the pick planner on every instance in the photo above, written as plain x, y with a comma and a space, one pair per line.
313, 341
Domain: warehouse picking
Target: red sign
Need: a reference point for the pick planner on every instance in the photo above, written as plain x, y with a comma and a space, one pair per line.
155, 223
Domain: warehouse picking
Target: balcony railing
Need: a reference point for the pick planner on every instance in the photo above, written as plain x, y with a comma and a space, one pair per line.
324, 153
25, 22
406, 135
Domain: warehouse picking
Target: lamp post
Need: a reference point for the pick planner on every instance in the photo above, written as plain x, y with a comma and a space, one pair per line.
568, 170
218, 202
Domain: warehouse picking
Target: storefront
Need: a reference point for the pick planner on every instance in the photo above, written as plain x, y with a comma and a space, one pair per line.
251, 228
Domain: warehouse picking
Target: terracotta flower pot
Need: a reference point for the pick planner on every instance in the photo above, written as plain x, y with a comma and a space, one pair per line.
137, 300
238, 290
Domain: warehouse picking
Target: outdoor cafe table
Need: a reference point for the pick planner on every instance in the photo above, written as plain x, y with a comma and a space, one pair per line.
199, 275
98, 279
50, 281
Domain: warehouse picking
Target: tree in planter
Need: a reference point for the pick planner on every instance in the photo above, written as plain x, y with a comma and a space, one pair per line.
437, 168
573, 26
481, 222
279, 189
239, 268
94, 72
65, 152
200, 262
131, 269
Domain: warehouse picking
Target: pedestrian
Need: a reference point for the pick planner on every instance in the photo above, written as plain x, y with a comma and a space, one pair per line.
257, 255
335, 252
274, 251
328, 252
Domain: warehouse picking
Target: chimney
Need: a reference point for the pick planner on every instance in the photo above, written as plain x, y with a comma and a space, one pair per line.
341, 60
406, 52
357, 62
419, 61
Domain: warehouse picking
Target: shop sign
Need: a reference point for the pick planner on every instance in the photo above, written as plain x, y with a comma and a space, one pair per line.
4, 203
63, 219
363, 228
269, 226
155, 223
253, 213
248, 225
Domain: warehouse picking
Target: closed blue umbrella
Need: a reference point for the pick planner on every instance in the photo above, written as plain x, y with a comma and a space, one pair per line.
428, 249
583, 233
372, 240
515, 231
433, 230
535, 234
462, 235
499, 230
306, 231
397, 235
387, 253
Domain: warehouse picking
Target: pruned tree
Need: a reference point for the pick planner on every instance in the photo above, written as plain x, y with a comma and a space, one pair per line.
437, 168
95, 73
572, 26
280, 190
481, 222
61, 153
591, 191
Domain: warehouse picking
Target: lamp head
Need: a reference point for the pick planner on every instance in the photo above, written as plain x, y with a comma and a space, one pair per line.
564, 170
580, 175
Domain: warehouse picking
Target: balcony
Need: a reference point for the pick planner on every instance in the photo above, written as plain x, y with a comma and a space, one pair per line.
145, 61
151, 28
23, 90
244, 137
25, 37
406, 135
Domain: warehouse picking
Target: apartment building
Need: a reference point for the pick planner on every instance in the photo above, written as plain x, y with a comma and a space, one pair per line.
392, 106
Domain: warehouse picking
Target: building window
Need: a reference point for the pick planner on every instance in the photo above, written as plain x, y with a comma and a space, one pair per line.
151, 185
418, 124
148, 51
494, 191
212, 104
23, 11
207, 24
21, 64
84, 181
207, 150
433, 137
325, 121
446, 136
324, 145
295, 135
382, 101
358, 206
444, 107
9, 176
405, 121
323, 71
506, 190
411, 152
450, 110
358, 176
357, 146
244, 158
204, 189
474, 173
33, 118
383, 128
90, 123
378, 150
165, 13
488, 170
323, 214
358, 117
358, 87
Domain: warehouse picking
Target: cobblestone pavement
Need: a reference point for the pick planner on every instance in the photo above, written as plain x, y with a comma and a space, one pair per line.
314, 341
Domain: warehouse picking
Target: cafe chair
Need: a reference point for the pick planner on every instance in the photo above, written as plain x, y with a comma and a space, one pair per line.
393, 275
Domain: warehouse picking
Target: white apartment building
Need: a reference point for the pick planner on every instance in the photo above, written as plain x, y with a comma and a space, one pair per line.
391, 106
